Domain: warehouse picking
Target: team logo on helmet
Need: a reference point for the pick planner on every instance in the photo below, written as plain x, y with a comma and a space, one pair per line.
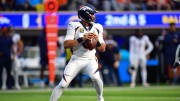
84, 13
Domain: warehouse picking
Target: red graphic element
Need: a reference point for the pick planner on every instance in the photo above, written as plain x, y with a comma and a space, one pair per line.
51, 21
51, 6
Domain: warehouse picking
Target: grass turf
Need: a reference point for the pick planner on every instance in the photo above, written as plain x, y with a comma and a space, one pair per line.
153, 93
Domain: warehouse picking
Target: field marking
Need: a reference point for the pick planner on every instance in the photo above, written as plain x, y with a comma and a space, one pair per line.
127, 97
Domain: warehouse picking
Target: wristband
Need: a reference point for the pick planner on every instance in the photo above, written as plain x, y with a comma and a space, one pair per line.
98, 44
80, 40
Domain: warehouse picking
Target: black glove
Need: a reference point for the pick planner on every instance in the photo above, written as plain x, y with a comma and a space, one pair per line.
130, 70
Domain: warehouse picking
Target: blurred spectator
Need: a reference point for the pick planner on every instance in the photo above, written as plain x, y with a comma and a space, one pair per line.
6, 47
18, 47
139, 4
7, 5
160, 51
110, 60
27, 7
3, 5
16, 65
20, 2
109, 5
43, 55
151, 5
138, 56
163, 4
24, 5
105, 5
176, 3
75, 4
63, 4
126, 5
93, 2
172, 39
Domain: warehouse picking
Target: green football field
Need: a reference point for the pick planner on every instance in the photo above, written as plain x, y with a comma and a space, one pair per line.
153, 93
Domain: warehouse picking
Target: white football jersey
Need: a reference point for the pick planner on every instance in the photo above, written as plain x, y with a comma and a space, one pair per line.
76, 30
16, 37
138, 46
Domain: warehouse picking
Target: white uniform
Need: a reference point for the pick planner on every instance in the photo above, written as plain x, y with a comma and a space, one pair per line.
82, 59
138, 53
16, 66
177, 58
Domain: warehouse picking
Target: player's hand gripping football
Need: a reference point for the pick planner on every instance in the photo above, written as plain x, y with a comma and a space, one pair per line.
96, 37
87, 36
90, 36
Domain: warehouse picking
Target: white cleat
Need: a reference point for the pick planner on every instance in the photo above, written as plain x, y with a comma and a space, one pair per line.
42, 84
100, 99
17, 87
132, 85
4, 88
146, 84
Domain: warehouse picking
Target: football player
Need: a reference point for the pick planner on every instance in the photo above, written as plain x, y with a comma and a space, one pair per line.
177, 58
82, 59
138, 56
176, 64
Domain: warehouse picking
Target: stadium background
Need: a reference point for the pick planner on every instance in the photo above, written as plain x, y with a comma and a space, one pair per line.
118, 23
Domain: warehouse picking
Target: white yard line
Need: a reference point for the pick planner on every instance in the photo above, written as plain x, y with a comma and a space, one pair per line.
128, 97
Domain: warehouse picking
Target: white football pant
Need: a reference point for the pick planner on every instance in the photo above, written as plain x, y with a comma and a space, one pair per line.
75, 65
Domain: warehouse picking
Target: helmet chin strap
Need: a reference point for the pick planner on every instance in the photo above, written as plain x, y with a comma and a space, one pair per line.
90, 23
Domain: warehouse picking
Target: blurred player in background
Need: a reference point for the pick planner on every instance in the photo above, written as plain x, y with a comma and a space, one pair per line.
6, 48
18, 47
43, 55
82, 59
16, 64
110, 60
172, 39
160, 50
176, 64
138, 56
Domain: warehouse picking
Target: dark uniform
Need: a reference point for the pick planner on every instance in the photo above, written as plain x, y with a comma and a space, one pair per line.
108, 61
5, 58
43, 50
170, 49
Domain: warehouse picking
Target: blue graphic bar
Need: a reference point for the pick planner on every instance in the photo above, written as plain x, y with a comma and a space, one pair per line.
111, 20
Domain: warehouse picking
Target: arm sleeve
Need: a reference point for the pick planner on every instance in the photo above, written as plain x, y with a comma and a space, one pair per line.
70, 32
101, 40
149, 44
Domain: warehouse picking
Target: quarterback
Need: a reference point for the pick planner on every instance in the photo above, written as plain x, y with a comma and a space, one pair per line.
82, 59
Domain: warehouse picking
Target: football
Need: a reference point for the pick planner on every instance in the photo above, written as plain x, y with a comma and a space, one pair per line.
90, 43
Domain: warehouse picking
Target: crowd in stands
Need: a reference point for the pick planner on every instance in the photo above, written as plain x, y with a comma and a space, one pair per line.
101, 5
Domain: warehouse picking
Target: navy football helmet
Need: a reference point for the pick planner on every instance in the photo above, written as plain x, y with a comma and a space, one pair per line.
85, 11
